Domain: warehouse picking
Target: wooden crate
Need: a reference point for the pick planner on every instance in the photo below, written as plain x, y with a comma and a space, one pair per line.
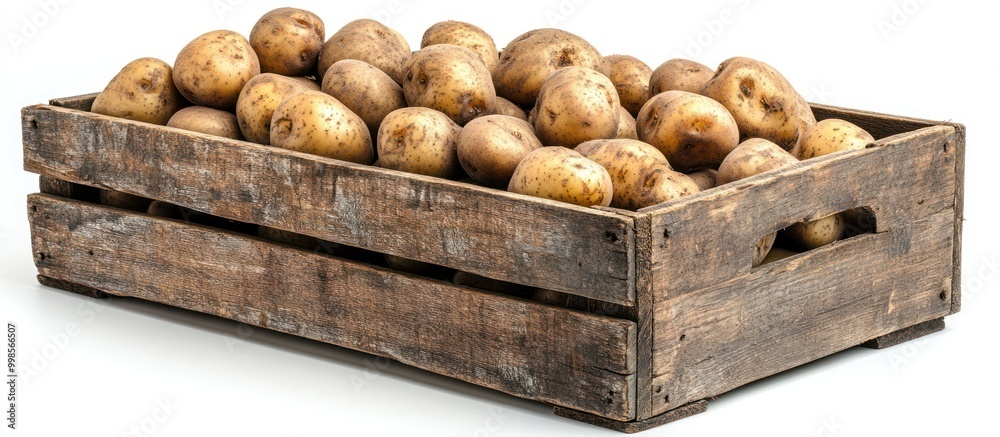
663, 309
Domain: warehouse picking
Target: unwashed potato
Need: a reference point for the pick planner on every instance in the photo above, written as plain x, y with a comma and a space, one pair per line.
122, 200
419, 140
530, 58
213, 68
287, 41
368, 91
562, 174
816, 233
207, 121
631, 79
258, 100
752, 157
626, 125
777, 254
143, 91
503, 106
640, 174
705, 179
550, 297
369, 41
576, 104
490, 147
679, 75
450, 79
315, 122
761, 100
466, 35
692, 131
832, 135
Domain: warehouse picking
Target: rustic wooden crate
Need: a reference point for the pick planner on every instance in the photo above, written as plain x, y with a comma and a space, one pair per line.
664, 309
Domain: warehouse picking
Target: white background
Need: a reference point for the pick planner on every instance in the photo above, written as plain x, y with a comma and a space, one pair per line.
124, 359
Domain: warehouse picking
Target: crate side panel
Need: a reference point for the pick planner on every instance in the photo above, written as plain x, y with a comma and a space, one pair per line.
551, 354
546, 244
800, 309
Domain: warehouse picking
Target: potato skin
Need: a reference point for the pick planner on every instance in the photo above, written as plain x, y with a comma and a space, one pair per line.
466, 35
626, 125
692, 131
419, 140
122, 200
258, 100
777, 254
366, 90
576, 104
640, 174
705, 179
287, 41
315, 122
531, 57
564, 175
503, 106
832, 135
207, 121
761, 100
450, 79
631, 79
679, 75
816, 233
212, 69
369, 41
490, 147
143, 91
752, 157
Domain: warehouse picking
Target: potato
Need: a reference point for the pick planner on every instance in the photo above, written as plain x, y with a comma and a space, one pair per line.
777, 254
631, 79
258, 100
503, 106
550, 297
489, 148
832, 135
465, 35
576, 104
315, 122
530, 58
564, 175
705, 179
750, 158
309, 82
143, 91
451, 79
406, 265
761, 100
692, 131
213, 68
369, 41
366, 90
122, 200
640, 174
287, 41
419, 140
679, 75
816, 233
626, 125
207, 121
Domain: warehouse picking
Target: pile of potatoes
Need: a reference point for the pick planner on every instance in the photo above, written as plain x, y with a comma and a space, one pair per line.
548, 116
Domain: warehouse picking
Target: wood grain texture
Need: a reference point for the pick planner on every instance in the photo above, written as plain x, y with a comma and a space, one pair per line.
81, 103
638, 425
796, 310
491, 233
879, 125
72, 287
906, 334
956, 284
902, 179
555, 355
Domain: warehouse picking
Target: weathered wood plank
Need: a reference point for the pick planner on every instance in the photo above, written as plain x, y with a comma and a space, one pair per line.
799, 309
879, 125
902, 179
638, 425
564, 357
81, 103
904, 335
504, 236
956, 284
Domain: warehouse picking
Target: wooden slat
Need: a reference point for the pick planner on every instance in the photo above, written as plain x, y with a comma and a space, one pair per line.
708, 238
956, 279
799, 309
564, 357
879, 125
81, 102
504, 236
